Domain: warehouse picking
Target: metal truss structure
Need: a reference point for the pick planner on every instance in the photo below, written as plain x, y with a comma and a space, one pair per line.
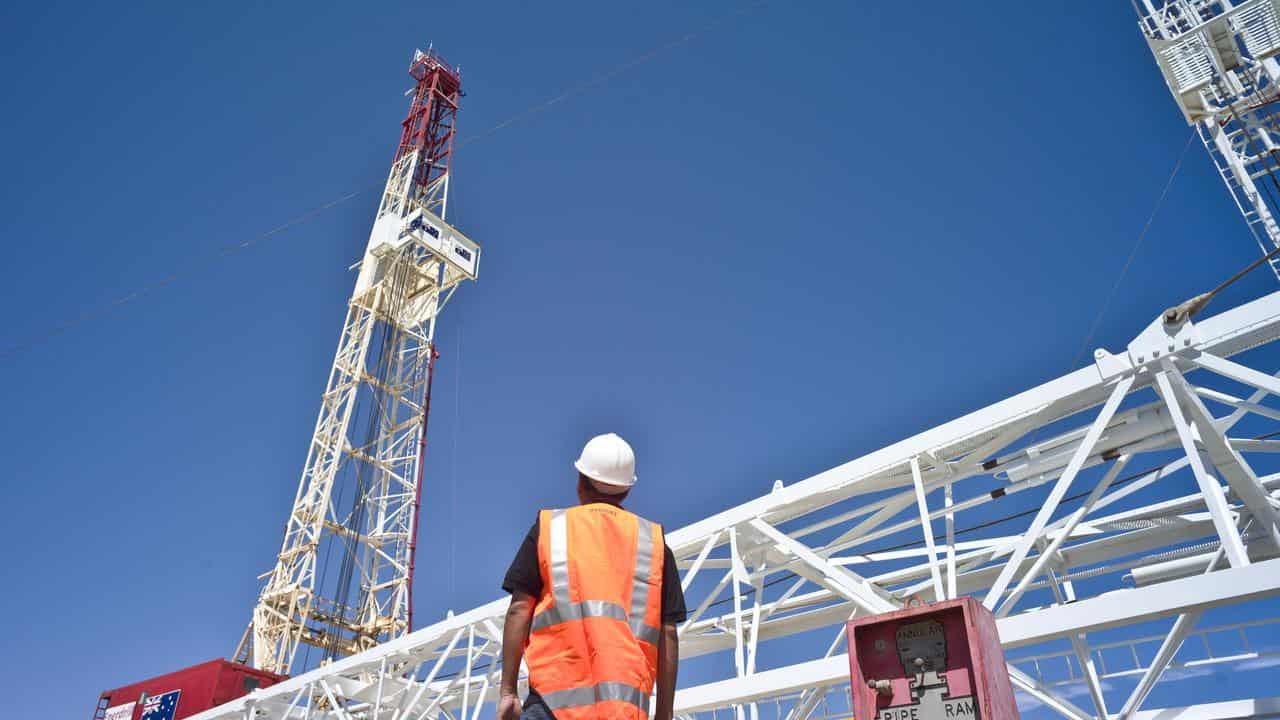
1218, 58
1119, 496
1125, 495
357, 502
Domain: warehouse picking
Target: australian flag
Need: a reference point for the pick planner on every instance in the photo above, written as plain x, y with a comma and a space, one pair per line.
160, 707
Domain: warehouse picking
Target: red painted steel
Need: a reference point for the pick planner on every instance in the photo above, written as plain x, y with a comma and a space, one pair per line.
201, 687
974, 663
417, 497
428, 129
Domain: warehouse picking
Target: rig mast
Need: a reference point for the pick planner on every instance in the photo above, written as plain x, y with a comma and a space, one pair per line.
357, 502
1218, 59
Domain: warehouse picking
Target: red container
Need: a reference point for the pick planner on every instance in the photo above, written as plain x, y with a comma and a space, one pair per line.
930, 662
183, 693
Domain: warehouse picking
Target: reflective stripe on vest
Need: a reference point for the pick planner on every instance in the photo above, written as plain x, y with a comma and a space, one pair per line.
592, 694
566, 610
640, 586
559, 547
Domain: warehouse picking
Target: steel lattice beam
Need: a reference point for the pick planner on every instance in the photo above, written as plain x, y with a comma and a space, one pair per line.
807, 556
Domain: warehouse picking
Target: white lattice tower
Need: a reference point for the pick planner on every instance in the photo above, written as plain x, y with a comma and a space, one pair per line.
357, 502
1218, 59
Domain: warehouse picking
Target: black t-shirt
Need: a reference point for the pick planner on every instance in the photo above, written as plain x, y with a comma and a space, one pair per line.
524, 576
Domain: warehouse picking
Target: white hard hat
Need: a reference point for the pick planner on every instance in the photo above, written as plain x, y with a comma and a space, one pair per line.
610, 462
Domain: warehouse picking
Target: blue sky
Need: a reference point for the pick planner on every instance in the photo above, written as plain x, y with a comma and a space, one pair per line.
808, 232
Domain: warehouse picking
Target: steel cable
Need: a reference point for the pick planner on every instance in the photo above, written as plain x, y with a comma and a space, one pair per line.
1137, 245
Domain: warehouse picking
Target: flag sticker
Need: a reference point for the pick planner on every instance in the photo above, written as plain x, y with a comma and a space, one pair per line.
160, 707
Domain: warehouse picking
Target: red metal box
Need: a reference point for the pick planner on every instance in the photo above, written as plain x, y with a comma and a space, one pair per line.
930, 662
183, 693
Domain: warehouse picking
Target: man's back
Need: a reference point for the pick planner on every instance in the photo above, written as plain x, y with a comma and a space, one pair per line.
596, 624
595, 599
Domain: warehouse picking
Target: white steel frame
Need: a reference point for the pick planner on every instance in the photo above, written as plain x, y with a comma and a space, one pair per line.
394, 307
1218, 59
806, 557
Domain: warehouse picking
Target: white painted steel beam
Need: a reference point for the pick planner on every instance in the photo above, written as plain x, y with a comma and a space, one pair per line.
780, 575
1042, 517
1127, 607
1257, 709
1234, 468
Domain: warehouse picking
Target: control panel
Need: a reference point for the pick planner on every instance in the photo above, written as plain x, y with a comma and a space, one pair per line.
930, 662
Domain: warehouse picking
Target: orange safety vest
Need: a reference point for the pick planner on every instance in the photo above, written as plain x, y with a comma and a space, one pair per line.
593, 644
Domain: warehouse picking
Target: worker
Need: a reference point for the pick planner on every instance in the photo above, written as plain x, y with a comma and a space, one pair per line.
595, 599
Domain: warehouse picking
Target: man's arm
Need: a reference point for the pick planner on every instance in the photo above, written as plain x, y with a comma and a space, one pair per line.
515, 635
668, 665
